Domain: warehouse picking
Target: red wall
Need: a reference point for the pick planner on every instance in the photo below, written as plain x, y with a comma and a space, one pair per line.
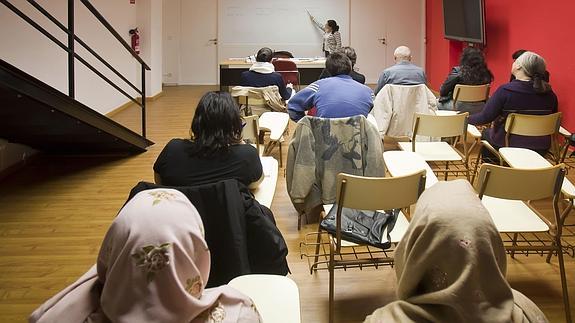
545, 27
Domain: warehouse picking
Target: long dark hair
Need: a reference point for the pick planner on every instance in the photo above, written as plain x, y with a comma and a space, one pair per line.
216, 125
333, 25
534, 66
474, 70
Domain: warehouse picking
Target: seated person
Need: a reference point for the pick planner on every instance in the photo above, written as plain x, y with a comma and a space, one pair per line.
516, 55
403, 72
529, 93
338, 96
152, 267
350, 52
262, 74
472, 70
450, 265
215, 151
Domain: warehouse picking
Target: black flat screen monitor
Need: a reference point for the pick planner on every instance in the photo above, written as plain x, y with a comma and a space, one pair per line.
464, 20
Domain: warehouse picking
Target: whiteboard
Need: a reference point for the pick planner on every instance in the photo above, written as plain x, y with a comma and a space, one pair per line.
244, 26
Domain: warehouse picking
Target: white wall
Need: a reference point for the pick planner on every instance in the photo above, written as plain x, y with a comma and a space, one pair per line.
244, 26
37, 55
29, 50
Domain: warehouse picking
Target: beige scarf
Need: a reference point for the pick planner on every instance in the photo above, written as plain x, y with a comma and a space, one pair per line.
451, 265
152, 267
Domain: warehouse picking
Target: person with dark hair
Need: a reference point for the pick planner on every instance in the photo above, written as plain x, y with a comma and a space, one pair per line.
215, 151
529, 93
262, 73
331, 36
516, 55
404, 72
350, 52
338, 96
472, 70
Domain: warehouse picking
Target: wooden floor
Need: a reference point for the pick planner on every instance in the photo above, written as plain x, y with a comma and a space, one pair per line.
55, 212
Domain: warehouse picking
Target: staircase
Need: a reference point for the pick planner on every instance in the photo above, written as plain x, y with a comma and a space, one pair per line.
37, 115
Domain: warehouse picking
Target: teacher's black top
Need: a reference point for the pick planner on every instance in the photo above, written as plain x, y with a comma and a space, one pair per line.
177, 167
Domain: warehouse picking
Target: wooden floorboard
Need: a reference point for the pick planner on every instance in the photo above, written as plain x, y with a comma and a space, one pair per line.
54, 214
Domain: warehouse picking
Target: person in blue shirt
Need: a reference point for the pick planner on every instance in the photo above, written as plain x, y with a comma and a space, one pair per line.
403, 72
262, 74
338, 96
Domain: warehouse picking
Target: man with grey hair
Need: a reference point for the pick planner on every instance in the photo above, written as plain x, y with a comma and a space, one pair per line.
403, 72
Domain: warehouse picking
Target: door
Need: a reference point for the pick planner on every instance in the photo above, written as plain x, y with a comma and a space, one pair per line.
377, 27
194, 41
411, 34
368, 37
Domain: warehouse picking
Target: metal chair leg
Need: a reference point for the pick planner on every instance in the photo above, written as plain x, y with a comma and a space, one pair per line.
331, 284
564, 282
514, 243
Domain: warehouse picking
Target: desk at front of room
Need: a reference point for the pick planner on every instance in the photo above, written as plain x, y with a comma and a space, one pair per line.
231, 71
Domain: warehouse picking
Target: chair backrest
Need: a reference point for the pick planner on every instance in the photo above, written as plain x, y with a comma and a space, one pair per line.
248, 95
264, 98
379, 193
470, 93
284, 65
520, 184
532, 125
251, 130
288, 70
376, 193
282, 54
440, 126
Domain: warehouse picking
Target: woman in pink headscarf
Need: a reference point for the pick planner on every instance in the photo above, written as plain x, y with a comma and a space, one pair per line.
152, 267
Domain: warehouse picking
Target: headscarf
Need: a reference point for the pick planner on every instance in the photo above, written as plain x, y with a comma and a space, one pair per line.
451, 265
152, 267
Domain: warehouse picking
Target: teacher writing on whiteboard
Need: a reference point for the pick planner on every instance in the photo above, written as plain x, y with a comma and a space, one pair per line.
331, 36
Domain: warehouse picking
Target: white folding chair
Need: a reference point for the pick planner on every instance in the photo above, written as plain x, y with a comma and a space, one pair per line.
506, 193
264, 192
447, 126
368, 193
276, 123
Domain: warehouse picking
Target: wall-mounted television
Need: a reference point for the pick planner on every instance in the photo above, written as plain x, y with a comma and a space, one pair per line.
464, 20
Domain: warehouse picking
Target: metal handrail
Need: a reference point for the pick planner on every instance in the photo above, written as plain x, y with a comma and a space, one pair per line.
72, 54
81, 42
111, 29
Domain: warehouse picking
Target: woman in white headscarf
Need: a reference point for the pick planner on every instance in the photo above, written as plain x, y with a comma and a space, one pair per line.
451, 265
152, 267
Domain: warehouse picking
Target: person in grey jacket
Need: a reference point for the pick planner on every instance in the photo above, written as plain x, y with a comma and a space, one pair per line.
403, 72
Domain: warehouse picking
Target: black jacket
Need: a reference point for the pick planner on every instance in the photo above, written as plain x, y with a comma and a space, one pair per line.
241, 233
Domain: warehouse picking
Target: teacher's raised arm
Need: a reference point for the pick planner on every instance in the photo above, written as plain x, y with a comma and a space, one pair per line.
331, 35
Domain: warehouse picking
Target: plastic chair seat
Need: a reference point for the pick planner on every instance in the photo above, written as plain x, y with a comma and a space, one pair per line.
433, 151
274, 122
512, 216
396, 234
275, 297
529, 159
401, 163
264, 193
